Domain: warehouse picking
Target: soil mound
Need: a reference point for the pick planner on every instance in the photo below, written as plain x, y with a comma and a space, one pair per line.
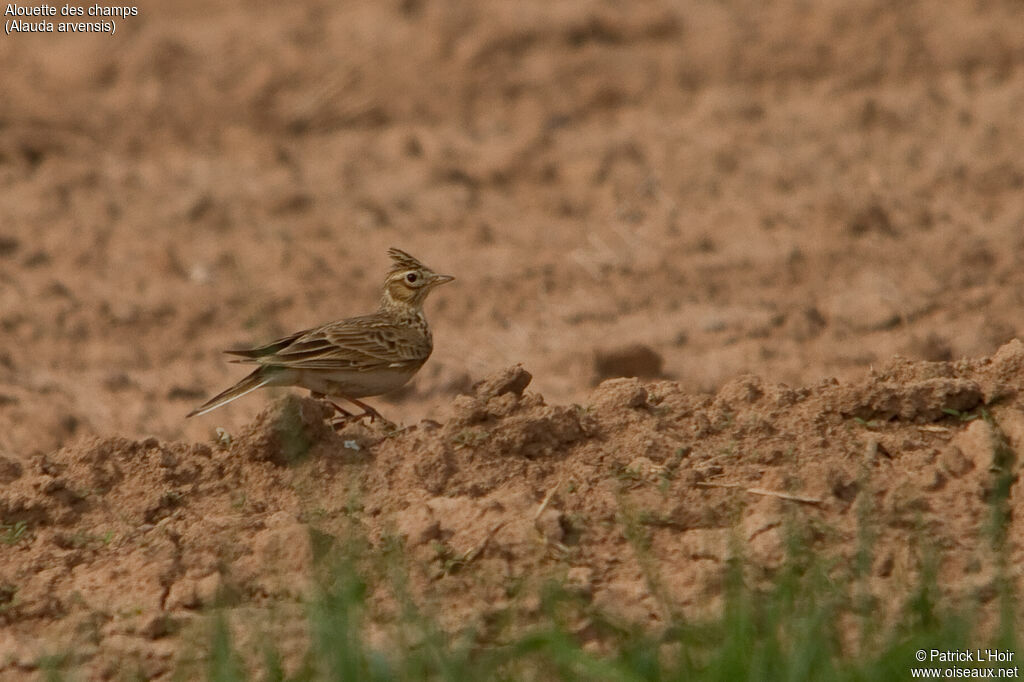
114, 546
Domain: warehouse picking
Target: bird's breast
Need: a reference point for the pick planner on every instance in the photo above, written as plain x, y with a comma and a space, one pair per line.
355, 384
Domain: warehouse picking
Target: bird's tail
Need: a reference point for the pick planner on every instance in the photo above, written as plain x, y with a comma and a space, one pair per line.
257, 379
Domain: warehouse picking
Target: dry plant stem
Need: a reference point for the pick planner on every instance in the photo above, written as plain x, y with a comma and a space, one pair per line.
482, 545
544, 503
762, 491
558, 546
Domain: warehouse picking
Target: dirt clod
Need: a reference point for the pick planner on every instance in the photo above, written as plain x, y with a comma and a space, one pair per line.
920, 401
636, 360
288, 431
512, 380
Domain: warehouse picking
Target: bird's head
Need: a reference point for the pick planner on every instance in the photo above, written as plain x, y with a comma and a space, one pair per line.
409, 281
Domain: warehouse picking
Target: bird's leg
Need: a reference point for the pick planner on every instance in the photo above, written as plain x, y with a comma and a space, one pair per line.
368, 411
345, 414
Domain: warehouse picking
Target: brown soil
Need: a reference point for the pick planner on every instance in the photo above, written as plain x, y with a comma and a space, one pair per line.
682, 193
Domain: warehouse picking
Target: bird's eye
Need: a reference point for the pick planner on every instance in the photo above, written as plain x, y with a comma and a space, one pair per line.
411, 278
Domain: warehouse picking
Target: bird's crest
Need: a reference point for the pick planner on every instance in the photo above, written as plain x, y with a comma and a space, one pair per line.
403, 261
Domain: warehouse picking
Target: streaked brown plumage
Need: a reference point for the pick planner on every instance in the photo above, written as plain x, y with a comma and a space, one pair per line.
352, 358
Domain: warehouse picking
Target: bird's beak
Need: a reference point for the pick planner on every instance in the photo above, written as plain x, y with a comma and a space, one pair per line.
441, 279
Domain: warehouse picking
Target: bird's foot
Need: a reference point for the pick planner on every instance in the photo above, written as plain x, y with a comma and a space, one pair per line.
375, 418
345, 417
340, 423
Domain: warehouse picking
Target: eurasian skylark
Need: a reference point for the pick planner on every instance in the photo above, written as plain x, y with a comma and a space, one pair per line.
353, 358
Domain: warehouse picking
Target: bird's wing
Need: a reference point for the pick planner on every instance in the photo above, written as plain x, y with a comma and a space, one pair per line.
254, 354
359, 344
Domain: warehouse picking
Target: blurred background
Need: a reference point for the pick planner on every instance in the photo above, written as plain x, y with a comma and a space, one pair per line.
690, 190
